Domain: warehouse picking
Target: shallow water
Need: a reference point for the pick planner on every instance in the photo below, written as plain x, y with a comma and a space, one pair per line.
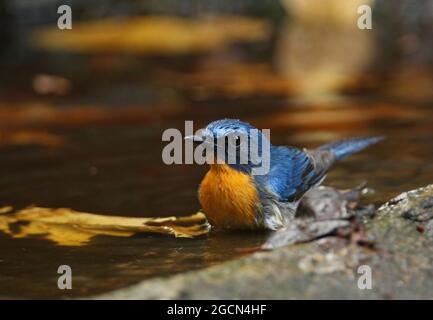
117, 169
113, 118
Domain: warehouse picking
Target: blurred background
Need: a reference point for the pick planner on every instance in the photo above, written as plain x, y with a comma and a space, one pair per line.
82, 110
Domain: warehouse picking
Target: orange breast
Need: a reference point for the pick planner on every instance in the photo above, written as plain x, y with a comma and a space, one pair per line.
229, 198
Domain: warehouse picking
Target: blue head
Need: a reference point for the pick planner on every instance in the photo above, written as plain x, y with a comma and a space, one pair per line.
234, 142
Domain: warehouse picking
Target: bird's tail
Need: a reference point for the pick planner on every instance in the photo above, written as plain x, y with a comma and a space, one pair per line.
344, 148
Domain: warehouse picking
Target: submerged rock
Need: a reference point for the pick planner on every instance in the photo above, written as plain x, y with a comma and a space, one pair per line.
401, 264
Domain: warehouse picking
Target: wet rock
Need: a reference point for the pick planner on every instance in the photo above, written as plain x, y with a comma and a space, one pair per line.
419, 211
401, 264
304, 231
323, 211
325, 203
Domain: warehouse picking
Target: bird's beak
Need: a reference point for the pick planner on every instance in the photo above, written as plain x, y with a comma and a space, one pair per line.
195, 138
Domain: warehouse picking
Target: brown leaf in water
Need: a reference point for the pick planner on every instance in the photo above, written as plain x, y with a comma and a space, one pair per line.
72, 228
30, 137
153, 35
47, 115
6, 209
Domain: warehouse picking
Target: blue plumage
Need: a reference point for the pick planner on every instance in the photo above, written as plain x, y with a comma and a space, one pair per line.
292, 171
344, 148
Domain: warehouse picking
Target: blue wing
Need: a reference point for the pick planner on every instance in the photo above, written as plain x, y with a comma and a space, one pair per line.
293, 172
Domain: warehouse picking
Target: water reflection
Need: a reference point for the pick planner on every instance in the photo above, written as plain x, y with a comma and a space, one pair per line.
110, 263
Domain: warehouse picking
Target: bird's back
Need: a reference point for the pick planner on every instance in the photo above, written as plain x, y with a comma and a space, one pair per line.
293, 172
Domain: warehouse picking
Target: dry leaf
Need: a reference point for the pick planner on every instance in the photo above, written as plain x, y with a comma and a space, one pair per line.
72, 228
153, 35
25, 115
4, 210
30, 137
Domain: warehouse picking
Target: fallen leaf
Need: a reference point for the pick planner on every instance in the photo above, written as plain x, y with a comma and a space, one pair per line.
30, 137
153, 35
47, 115
72, 228
5, 209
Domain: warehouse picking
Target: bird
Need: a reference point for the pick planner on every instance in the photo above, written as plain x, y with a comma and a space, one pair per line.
232, 197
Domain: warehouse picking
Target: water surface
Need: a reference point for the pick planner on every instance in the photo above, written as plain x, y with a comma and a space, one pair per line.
117, 169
